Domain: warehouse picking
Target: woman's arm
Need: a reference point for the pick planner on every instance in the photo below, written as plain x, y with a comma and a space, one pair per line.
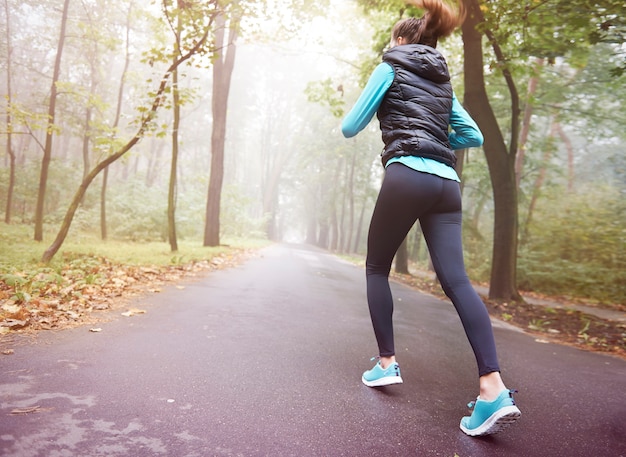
465, 132
366, 106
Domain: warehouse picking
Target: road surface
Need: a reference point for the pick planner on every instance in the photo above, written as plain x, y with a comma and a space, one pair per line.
265, 359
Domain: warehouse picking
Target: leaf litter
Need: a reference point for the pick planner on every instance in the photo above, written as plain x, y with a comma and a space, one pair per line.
563, 325
86, 285
47, 300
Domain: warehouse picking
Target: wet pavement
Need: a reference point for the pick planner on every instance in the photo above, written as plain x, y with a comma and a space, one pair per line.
265, 359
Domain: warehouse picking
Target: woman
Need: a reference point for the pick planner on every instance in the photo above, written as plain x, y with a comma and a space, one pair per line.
422, 122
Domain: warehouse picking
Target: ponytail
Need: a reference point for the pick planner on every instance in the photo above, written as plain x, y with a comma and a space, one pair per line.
439, 21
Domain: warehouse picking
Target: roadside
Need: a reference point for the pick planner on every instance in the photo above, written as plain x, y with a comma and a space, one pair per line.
603, 313
550, 319
77, 300
79, 296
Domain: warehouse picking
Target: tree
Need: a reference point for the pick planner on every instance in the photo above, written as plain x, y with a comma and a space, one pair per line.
200, 23
225, 50
9, 126
275, 150
116, 120
518, 33
500, 158
47, 152
287, 14
402, 258
528, 110
177, 28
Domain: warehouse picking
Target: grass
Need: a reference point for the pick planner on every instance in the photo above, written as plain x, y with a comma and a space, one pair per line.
18, 250
89, 275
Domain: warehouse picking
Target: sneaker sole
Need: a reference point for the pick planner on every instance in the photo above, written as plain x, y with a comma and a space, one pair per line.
386, 381
497, 422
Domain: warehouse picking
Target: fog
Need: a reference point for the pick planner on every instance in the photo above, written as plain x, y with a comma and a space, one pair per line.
288, 172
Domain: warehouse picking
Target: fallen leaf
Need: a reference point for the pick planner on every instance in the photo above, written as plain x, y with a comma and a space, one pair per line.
14, 323
32, 409
134, 311
95, 330
12, 309
8, 352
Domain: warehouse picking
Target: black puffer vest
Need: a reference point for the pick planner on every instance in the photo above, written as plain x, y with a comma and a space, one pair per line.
415, 112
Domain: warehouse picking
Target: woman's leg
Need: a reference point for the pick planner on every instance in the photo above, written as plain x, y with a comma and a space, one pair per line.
404, 195
442, 231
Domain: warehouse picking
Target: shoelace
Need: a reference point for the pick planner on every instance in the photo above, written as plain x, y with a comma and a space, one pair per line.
396, 367
471, 404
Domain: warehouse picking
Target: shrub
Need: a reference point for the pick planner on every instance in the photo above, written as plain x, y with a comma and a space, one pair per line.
577, 246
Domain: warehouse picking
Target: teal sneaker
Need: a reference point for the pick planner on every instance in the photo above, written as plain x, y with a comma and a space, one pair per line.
491, 417
379, 376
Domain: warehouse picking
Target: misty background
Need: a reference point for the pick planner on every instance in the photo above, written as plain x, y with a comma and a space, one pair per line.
289, 175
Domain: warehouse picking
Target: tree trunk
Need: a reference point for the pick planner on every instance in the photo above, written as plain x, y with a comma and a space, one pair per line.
334, 229
402, 258
525, 130
336, 232
417, 243
87, 140
503, 285
11, 186
311, 230
541, 177
461, 154
118, 112
9, 128
350, 230
78, 196
103, 206
222, 73
570, 156
47, 153
322, 240
171, 197
144, 124
359, 227
155, 160
273, 170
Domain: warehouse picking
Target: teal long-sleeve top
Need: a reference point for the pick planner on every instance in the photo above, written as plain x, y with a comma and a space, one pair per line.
464, 131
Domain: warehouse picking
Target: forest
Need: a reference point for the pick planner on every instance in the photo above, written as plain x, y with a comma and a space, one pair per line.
210, 122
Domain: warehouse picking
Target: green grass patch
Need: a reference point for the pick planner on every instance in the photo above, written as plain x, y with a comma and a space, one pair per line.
88, 274
18, 250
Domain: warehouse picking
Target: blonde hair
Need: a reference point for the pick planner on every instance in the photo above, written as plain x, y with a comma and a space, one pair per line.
439, 21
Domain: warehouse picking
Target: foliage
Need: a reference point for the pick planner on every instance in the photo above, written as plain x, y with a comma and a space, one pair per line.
236, 217
553, 28
578, 246
323, 92
576, 240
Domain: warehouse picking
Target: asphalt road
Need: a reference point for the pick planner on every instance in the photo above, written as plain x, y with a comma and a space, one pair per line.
265, 359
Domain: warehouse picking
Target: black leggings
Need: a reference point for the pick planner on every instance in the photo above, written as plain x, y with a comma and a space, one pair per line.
407, 195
